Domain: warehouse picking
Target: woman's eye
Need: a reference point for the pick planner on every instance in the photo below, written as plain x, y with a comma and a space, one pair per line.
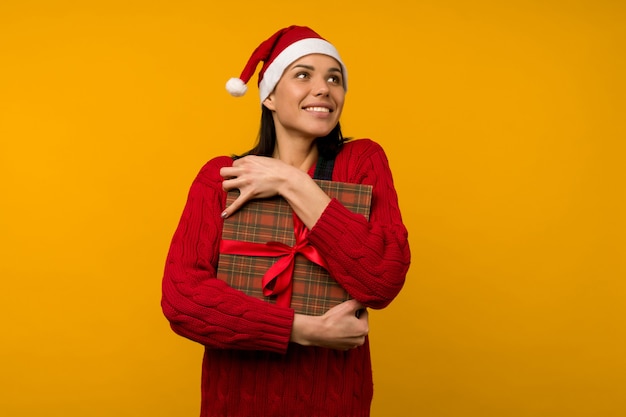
302, 75
335, 79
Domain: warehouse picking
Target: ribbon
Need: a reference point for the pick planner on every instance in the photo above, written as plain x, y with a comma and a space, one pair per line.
277, 280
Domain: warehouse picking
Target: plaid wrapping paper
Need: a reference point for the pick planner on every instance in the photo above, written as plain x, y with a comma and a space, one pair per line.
259, 222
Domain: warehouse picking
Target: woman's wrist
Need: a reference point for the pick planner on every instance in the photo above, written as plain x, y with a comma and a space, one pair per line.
292, 182
305, 197
301, 332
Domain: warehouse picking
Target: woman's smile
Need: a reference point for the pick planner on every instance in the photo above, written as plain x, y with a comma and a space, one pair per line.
318, 109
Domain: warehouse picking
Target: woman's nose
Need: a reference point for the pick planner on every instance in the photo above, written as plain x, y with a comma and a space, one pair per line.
320, 88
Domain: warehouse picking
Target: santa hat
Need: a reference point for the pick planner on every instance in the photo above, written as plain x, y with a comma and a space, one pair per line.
277, 53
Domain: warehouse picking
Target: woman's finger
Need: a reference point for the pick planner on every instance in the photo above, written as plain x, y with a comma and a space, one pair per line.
235, 205
232, 184
229, 172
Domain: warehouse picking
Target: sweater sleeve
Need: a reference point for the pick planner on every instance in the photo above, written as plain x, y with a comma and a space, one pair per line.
197, 304
369, 259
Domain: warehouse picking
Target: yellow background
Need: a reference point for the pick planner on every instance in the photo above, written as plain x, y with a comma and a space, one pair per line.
504, 126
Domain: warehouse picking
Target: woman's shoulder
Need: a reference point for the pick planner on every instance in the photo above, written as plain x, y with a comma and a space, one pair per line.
362, 145
210, 171
359, 149
358, 159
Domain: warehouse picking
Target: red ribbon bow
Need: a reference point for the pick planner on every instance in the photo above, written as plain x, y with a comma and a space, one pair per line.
277, 280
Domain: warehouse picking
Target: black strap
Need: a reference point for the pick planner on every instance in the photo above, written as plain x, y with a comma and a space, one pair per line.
324, 168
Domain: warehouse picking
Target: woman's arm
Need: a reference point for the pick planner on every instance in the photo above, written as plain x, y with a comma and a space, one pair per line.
369, 259
197, 304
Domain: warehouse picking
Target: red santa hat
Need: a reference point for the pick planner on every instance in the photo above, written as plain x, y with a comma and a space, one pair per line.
277, 53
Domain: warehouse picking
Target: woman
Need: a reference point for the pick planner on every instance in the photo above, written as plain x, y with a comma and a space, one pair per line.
262, 359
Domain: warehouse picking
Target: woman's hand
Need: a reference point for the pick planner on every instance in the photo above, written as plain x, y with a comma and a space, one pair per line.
255, 177
263, 177
343, 327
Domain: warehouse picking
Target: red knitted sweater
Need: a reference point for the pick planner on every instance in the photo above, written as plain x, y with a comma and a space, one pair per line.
250, 369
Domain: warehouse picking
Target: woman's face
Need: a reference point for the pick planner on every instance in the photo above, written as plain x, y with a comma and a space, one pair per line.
309, 97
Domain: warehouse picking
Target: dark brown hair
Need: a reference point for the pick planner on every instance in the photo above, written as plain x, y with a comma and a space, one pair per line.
328, 146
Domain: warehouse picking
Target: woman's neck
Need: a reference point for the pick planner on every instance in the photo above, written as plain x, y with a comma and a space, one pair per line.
300, 154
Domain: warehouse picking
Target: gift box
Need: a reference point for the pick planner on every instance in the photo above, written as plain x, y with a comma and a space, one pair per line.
264, 251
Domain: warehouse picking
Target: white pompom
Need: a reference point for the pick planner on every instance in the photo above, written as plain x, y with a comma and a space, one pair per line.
236, 87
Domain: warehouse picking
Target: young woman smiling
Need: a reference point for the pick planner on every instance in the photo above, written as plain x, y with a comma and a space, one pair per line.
262, 359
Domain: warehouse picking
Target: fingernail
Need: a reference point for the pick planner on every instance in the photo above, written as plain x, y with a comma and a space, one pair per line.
224, 214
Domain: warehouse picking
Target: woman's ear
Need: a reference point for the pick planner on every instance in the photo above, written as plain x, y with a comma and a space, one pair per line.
269, 103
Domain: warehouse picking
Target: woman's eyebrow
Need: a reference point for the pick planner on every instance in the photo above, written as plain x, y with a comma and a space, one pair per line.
312, 68
309, 67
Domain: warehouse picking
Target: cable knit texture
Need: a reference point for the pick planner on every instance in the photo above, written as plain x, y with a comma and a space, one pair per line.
250, 369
